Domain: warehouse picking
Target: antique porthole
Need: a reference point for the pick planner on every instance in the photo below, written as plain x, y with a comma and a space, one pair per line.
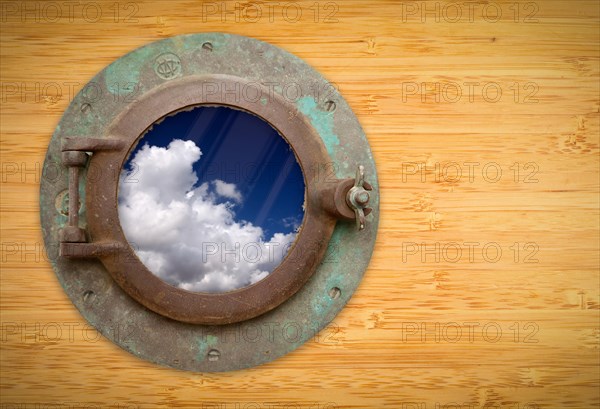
209, 202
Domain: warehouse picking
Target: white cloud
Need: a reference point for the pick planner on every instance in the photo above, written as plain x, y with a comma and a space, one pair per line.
228, 190
292, 222
183, 233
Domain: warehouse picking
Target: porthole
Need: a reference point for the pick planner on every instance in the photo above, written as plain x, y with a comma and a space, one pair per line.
211, 199
210, 185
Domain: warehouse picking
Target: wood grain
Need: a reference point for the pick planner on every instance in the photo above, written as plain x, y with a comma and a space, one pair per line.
428, 326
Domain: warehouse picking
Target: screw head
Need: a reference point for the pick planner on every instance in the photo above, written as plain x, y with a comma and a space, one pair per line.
214, 355
329, 106
335, 293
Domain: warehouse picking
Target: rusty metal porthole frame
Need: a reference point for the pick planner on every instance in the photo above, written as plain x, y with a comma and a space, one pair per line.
98, 268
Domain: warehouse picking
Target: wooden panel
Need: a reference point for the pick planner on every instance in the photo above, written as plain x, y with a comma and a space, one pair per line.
483, 290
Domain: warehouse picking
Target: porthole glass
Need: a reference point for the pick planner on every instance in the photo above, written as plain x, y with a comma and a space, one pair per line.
211, 199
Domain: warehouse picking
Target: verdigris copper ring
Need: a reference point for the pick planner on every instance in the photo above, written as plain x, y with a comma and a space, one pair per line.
98, 268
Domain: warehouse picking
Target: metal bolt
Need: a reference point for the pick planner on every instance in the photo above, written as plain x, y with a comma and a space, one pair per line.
362, 198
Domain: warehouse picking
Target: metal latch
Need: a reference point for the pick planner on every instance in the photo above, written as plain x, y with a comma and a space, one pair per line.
347, 199
358, 197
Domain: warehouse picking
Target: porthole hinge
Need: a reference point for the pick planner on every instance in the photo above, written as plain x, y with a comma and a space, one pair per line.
73, 242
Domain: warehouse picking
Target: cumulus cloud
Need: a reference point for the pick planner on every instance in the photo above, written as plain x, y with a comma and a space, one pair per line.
228, 190
187, 234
